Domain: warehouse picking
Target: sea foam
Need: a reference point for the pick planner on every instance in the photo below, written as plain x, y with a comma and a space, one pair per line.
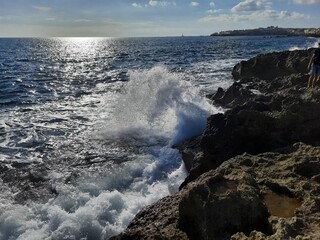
158, 102
155, 109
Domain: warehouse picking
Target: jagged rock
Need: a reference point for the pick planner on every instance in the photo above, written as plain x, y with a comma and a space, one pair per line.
256, 127
263, 115
236, 94
264, 196
200, 208
158, 221
249, 178
272, 65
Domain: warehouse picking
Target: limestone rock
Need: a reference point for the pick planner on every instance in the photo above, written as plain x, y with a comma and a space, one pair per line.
266, 196
250, 175
272, 65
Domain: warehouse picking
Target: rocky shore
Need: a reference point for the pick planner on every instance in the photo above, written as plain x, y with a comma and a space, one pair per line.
271, 31
254, 173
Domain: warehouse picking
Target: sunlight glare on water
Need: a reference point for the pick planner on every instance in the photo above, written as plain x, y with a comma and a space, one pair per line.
81, 47
86, 126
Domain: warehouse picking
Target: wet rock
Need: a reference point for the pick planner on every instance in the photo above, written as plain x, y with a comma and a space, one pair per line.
158, 221
274, 118
236, 94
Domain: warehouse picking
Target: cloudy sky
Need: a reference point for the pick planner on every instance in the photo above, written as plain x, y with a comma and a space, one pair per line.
121, 18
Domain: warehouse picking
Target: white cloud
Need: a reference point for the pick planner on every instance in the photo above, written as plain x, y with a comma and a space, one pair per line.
136, 5
251, 5
194, 4
212, 4
83, 20
213, 11
42, 8
293, 15
50, 19
267, 14
309, 2
155, 3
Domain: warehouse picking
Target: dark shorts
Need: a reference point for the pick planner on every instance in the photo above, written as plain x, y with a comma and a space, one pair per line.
315, 70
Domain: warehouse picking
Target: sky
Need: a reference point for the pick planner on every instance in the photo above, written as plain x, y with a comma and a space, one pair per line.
137, 18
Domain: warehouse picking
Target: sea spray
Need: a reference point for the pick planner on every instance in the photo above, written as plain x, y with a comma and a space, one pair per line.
93, 208
156, 102
53, 107
155, 109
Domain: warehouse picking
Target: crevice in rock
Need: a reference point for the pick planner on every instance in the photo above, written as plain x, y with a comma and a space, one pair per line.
281, 190
309, 169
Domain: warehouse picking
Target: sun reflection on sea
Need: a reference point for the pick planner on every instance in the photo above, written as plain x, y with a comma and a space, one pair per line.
81, 47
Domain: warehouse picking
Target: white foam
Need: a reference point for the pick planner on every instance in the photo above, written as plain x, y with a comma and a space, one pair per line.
158, 102
210, 75
310, 45
92, 210
294, 48
157, 108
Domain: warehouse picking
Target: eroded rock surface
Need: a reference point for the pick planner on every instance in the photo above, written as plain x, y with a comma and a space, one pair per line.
265, 196
250, 175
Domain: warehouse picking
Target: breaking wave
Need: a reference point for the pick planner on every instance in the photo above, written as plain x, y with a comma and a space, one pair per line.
154, 110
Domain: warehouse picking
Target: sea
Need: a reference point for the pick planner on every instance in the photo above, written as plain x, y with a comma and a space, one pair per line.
92, 121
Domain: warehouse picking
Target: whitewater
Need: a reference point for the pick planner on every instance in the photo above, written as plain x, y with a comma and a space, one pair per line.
87, 125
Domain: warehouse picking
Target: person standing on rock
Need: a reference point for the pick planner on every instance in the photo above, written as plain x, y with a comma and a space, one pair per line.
314, 66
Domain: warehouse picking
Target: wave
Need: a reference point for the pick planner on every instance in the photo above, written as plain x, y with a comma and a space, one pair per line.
313, 44
155, 109
157, 102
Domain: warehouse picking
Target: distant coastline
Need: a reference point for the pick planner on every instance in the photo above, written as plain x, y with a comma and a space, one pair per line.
271, 31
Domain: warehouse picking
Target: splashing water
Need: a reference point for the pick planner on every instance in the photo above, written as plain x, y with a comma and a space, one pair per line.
159, 103
64, 101
156, 108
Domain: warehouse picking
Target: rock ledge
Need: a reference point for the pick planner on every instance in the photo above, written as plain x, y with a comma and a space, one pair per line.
255, 171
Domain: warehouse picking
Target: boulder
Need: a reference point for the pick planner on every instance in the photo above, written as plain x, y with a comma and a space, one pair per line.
236, 94
215, 207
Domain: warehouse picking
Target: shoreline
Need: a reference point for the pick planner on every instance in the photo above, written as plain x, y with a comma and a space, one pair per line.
272, 31
258, 161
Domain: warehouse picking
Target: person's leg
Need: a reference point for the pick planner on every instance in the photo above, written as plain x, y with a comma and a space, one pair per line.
310, 81
317, 75
317, 80
314, 81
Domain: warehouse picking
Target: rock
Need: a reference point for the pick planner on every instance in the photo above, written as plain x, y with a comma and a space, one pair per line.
272, 65
158, 221
214, 207
250, 175
239, 199
236, 94
281, 113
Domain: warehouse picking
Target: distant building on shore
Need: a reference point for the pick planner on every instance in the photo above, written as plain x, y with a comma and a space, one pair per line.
271, 31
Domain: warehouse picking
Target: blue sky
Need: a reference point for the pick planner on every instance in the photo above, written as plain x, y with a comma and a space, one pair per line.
129, 18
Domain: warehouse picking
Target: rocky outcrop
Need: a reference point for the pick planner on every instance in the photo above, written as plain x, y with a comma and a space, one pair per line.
250, 175
272, 65
264, 196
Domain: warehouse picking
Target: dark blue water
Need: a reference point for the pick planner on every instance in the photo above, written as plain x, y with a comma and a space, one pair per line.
56, 68
105, 111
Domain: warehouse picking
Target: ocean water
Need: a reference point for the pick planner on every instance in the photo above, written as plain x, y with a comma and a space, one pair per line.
92, 121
